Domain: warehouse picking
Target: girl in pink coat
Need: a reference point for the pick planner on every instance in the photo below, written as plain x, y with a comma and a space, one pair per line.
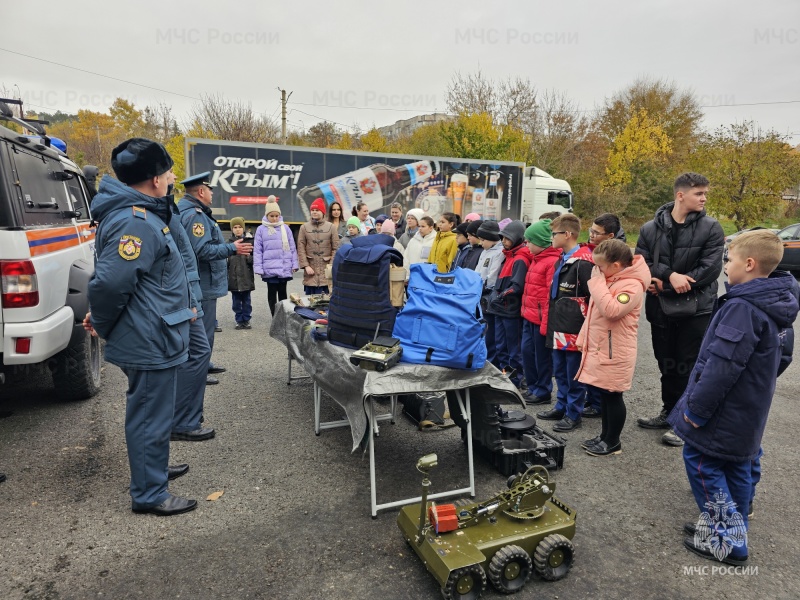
608, 336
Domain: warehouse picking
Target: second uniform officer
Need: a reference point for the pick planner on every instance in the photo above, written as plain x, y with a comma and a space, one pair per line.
209, 247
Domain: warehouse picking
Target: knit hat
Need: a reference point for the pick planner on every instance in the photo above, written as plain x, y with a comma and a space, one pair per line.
354, 221
489, 230
388, 227
237, 221
538, 233
381, 218
318, 204
473, 216
272, 207
417, 213
514, 231
138, 159
473, 226
462, 229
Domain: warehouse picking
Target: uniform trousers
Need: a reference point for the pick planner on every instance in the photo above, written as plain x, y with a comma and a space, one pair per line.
192, 377
210, 320
148, 421
708, 476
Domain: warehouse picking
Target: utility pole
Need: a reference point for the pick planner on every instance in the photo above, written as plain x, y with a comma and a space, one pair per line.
284, 99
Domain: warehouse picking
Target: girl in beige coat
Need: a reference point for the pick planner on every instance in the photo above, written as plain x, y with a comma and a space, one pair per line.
608, 336
316, 245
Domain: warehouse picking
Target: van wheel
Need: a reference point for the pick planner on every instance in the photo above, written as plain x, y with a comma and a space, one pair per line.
76, 373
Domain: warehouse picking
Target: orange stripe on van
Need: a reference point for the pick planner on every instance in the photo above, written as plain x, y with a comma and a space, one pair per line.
43, 241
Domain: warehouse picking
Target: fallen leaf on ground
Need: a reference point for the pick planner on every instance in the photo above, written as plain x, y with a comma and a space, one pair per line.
215, 496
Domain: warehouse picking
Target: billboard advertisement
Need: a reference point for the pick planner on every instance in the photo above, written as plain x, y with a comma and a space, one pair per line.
245, 174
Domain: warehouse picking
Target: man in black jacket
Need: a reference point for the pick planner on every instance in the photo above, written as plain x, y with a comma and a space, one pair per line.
683, 248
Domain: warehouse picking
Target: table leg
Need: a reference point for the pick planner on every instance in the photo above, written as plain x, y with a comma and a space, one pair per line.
465, 405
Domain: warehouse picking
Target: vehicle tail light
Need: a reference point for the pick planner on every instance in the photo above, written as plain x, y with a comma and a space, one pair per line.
19, 284
22, 345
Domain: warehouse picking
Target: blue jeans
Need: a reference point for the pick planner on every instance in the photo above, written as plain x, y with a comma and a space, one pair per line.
571, 394
708, 475
507, 337
537, 361
242, 307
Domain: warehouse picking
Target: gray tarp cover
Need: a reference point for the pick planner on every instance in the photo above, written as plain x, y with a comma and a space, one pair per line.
350, 386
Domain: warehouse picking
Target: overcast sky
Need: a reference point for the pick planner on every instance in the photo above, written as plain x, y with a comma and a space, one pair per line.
344, 61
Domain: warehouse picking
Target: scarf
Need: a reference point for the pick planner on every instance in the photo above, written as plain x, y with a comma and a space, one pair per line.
271, 227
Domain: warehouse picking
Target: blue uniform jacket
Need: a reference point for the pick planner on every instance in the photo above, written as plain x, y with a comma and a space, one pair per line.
731, 386
209, 246
139, 295
189, 260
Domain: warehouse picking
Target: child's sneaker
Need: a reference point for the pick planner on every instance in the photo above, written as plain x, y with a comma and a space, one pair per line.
239, 326
246, 325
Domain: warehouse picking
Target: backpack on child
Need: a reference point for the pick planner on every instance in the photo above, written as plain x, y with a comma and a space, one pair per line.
441, 323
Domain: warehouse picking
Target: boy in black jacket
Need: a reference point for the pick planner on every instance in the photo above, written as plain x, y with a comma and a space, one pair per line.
241, 280
569, 301
505, 301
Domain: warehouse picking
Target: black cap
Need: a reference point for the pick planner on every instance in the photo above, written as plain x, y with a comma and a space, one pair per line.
473, 226
489, 230
462, 229
138, 159
199, 179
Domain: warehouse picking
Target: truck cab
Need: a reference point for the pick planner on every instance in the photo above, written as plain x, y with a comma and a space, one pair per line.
46, 262
541, 193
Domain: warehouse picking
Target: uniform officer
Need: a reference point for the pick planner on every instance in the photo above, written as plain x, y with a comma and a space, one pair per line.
209, 247
191, 374
140, 301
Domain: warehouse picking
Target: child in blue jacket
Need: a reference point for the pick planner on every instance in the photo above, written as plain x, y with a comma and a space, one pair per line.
722, 414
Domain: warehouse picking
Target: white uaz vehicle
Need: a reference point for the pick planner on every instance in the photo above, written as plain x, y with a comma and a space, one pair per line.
46, 261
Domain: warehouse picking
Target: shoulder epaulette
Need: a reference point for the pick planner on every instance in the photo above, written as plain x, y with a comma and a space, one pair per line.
138, 211
198, 209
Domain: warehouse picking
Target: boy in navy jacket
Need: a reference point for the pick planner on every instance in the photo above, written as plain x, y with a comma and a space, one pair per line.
722, 414
505, 301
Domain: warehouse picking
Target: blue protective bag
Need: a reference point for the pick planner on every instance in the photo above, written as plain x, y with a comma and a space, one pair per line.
442, 324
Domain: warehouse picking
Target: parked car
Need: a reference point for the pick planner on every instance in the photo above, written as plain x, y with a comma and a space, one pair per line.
790, 236
729, 238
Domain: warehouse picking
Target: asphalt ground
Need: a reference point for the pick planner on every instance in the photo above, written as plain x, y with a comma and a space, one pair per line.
294, 518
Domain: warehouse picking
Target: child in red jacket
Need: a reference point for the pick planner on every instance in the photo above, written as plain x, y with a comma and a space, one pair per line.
537, 358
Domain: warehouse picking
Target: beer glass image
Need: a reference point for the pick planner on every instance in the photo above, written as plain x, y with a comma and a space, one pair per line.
458, 188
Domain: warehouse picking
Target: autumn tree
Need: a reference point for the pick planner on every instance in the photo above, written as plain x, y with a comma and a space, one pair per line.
476, 136
223, 119
426, 140
323, 134
636, 171
675, 110
749, 169
373, 141
507, 102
